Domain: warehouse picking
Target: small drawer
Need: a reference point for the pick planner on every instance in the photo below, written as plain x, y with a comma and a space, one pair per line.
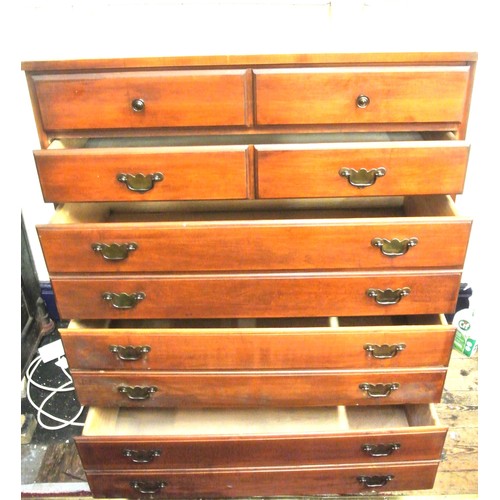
361, 95
169, 439
250, 344
256, 295
256, 235
124, 170
141, 99
252, 389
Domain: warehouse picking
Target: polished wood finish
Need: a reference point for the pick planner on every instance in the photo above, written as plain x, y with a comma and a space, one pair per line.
246, 348
172, 99
322, 96
256, 295
313, 171
188, 173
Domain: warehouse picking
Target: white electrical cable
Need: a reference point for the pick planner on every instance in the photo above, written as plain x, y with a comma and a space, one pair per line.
54, 390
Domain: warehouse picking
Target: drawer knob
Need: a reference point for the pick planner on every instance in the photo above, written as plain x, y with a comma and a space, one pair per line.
137, 393
375, 481
141, 456
147, 487
129, 352
123, 300
379, 390
138, 105
114, 251
362, 101
389, 296
384, 351
380, 450
394, 247
362, 178
140, 183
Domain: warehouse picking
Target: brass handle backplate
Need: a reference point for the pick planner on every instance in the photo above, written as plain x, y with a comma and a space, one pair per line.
362, 101
379, 390
384, 351
380, 450
123, 300
129, 352
394, 247
141, 456
140, 183
362, 178
148, 487
137, 393
388, 297
375, 481
114, 251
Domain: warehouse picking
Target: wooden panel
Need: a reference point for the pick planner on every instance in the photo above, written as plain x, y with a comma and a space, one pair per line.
263, 482
328, 96
256, 295
257, 389
188, 173
172, 99
258, 348
301, 172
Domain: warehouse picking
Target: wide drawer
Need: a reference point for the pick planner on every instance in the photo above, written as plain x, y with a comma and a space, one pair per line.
318, 343
374, 233
141, 99
366, 95
251, 389
125, 438
256, 295
304, 481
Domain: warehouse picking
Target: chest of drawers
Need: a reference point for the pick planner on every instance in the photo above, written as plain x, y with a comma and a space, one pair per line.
256, 253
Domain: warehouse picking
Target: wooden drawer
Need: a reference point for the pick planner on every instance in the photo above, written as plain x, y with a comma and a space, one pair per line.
125, 438
251, 389
418, 94
267, 482
256, 295
108, 100
143, 173
360, 169
329, 235
285, 344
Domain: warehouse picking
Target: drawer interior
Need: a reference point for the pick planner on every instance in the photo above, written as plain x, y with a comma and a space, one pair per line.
251, 422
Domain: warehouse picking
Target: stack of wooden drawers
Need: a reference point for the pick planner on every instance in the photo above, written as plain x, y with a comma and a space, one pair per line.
256, 253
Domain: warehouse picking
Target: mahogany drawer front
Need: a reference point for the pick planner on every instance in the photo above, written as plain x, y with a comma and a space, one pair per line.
431, 235
263, 348
250, 389
336, 170
125, 438
256, 295
263, 482
143, 174
110, 100
338, 95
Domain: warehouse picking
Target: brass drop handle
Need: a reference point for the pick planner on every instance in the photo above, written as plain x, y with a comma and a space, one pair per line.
148, 488
129, 352
375, 481
114, 251
388, 297
140, 183
137, 393
383, 351
362, 178
380, 450
141, 456
394, 247
379, 390
362, 101
138, 105
123, 300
